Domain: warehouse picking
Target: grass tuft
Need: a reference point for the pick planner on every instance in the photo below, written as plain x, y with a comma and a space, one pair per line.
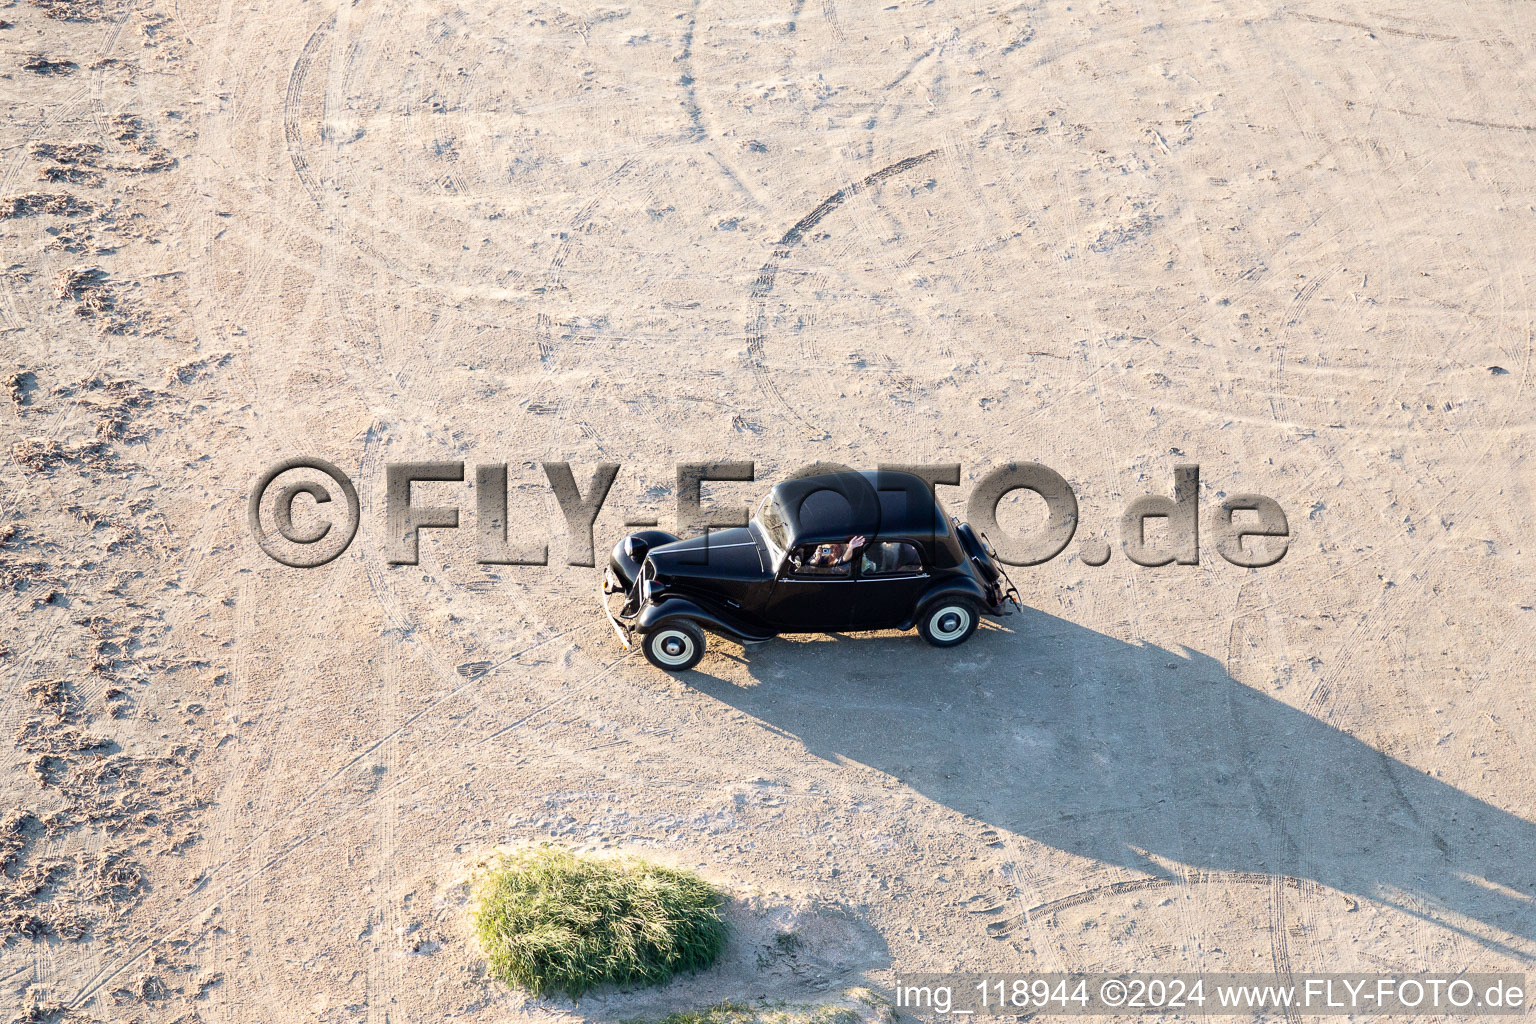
720, 1013
773, 1013
550, 921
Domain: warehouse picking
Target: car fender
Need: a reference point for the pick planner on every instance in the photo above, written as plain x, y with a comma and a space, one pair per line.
627, 566
957, 586
709, 618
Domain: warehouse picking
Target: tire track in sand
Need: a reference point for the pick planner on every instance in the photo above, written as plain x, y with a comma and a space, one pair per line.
763, 285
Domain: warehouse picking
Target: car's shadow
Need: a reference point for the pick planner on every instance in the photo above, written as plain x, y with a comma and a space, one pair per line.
1106, 749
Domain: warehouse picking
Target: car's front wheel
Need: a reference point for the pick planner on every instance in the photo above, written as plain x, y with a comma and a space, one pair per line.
675, 645
948, 623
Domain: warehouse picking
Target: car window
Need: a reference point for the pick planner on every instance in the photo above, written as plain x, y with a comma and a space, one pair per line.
771, 519
889, 558
823, 559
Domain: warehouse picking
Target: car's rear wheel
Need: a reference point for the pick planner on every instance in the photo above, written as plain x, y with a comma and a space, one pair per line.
949, 623
674, 645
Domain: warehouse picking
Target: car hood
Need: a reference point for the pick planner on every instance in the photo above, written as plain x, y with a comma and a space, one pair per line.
731, 554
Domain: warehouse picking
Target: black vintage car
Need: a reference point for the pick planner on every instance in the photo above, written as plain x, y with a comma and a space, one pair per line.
822, 554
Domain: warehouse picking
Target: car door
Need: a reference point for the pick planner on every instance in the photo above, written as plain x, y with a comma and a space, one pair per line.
810, 598
889, 578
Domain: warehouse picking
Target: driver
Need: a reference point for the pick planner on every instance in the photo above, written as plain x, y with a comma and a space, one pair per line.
827, 555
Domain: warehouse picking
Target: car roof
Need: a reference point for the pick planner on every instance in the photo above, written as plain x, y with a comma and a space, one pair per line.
831, 507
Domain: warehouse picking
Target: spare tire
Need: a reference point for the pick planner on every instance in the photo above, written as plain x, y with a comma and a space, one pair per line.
979, 552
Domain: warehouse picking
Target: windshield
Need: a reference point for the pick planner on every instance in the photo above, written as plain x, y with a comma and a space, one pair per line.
770, 523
